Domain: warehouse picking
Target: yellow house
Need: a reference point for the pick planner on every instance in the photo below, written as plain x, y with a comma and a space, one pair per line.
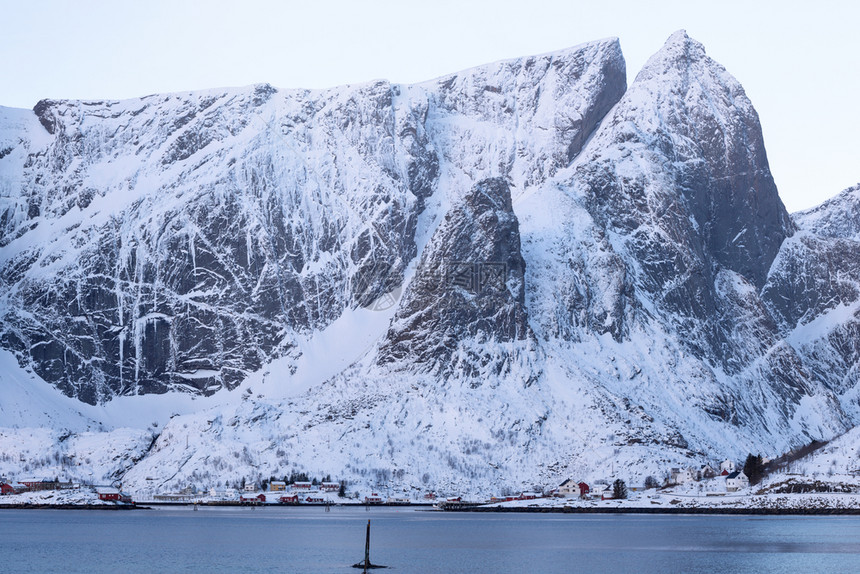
277, 486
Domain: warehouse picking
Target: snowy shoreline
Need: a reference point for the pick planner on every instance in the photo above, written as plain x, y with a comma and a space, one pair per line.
687, 510
37, 506
764, 511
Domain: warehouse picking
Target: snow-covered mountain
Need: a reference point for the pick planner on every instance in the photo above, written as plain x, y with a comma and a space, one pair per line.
499, 278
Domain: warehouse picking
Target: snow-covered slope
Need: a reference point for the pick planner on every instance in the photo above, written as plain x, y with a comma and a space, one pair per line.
28, 402
813, 292
837, 461
500, 278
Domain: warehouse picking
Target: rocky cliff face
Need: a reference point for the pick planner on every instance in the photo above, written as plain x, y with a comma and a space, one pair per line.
590, 274
180, 242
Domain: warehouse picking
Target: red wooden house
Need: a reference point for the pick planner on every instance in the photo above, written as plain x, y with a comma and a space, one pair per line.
584, 489
107, 493
111, 494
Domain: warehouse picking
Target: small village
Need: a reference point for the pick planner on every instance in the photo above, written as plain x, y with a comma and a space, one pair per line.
705, 486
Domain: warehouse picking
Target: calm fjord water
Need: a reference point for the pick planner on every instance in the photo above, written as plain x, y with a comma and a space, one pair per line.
309, 540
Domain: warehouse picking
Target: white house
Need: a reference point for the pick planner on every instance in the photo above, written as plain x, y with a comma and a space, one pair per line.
728, 466
598, 489
736, 481
680, 475
569, 488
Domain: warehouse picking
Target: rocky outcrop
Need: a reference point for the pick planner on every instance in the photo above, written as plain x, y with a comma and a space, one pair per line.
469, 288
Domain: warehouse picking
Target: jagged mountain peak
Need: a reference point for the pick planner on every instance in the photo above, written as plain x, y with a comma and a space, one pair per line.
678, 51
813, 293
682, 63
674, 199
683, 152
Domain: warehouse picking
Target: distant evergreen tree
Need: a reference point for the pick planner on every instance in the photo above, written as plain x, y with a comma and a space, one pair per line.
298, 477
619, 489
754, 468
341, 492
651, 482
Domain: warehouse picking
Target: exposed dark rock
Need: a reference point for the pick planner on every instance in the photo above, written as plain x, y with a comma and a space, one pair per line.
469, 286
42, 109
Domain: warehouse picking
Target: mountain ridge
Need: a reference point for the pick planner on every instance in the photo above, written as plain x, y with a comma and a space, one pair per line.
570, 273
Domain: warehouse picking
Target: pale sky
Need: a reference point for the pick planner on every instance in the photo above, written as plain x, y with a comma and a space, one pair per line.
799, 64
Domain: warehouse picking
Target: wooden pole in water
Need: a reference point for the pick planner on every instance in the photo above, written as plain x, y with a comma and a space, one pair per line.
367, 549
